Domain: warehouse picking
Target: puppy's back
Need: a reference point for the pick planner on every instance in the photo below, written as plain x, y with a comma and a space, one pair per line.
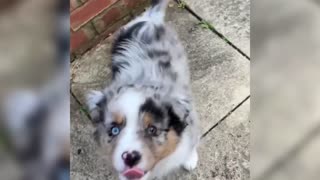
147, 50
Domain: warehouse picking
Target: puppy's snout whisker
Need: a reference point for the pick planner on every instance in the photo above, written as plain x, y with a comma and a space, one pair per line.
131, 159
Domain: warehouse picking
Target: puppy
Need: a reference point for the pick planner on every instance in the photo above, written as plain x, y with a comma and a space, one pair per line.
145, 117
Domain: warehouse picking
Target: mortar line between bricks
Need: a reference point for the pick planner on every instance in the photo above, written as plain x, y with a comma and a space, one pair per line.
94, 29
81, 105
220, 35
225, 116
97, 37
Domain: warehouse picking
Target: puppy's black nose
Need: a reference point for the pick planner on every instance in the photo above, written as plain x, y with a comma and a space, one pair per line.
131, 159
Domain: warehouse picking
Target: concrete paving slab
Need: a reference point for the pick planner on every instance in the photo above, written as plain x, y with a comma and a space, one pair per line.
92, 70
224, 152
220, 75
231, 18
86, 161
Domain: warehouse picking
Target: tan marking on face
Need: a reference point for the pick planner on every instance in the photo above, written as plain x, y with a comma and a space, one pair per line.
110, 145
162, 151
147, 120
118, 118
156, 153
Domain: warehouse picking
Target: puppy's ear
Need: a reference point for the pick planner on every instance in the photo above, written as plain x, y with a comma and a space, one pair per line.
178, 116
96, 102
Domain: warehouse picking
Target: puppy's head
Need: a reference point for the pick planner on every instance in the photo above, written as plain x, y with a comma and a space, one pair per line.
139, 129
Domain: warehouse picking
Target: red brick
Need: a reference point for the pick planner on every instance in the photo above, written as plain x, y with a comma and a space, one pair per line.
116, 12
106, 23
88, 11
124, 20
133, 3
113, 28
107, 18
81, 37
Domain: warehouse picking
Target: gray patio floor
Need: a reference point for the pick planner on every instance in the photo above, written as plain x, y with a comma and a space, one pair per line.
220, 80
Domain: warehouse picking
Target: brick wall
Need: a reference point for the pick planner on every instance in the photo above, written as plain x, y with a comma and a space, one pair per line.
94, 20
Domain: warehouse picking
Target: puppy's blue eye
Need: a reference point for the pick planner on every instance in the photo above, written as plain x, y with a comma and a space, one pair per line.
115, 130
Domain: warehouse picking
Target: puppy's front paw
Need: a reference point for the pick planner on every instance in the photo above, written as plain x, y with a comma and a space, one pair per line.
192, 161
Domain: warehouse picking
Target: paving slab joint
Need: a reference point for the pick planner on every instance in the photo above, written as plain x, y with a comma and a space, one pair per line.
83, 108
206, 25
225, 116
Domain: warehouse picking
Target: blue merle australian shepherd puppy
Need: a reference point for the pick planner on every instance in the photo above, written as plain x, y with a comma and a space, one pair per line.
146, 117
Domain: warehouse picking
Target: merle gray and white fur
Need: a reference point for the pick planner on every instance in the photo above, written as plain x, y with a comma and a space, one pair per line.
150, 76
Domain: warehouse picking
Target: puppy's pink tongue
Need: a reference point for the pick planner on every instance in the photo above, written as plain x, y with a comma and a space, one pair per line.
133, 173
